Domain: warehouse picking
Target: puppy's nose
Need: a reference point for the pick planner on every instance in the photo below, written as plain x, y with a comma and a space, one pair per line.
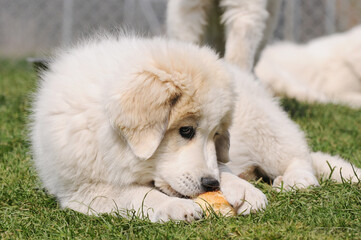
209, 184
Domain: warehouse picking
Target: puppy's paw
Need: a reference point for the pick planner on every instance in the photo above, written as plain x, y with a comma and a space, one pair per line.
242, 195
295, 179
177, 209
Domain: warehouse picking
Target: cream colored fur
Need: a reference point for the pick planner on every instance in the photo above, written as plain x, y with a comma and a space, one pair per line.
105, 132
326, 70
106, 120
263, 137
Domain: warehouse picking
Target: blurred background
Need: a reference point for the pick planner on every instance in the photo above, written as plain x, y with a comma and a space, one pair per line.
35, 27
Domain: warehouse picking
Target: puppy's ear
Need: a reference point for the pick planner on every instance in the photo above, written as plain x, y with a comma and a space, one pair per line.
222, 147
140, 110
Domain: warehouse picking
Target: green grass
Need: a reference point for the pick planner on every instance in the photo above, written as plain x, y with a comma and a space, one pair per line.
332, 211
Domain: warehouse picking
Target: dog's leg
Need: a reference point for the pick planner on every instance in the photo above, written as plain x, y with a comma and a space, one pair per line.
299, 174
273, 8
263, 134
186, 19
351, 99
273, 143
146, 202
334, 167
242, 195
245, 22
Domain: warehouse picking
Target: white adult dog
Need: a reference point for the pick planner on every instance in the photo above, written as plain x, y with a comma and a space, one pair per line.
137, 124
327, 69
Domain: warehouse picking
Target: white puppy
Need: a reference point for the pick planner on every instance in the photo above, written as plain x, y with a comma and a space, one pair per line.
327, 69
137, 124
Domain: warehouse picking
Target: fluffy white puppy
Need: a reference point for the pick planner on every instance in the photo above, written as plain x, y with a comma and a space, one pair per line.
137, 124
327, 69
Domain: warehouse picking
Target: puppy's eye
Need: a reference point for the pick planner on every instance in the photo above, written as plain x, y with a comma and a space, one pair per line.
216, 134
187, 132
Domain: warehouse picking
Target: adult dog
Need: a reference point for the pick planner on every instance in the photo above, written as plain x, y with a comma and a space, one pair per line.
137, 124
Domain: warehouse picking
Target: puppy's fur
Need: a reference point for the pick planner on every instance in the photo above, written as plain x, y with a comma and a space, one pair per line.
106, 128
265, 141
327, 69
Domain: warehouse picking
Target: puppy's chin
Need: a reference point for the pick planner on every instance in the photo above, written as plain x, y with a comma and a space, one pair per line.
167, 189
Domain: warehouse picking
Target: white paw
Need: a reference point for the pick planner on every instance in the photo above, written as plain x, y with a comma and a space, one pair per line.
295, 179
242, 195
176, 209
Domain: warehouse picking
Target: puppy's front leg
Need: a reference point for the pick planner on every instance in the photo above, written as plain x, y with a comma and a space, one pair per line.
146, 201
160, 207
242, 195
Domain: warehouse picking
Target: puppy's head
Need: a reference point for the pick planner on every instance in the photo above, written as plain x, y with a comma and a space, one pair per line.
174, 113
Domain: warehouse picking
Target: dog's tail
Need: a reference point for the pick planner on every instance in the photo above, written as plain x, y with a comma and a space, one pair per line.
334, 167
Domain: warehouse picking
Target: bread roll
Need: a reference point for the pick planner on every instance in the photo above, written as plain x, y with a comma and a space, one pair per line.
215, 201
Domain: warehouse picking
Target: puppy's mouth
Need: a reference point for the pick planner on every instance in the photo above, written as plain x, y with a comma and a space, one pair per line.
171, 192
168, 190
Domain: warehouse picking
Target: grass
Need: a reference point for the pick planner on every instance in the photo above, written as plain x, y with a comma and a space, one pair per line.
332, 211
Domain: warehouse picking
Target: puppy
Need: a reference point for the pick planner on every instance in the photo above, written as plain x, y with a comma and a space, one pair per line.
326, 70
129, 124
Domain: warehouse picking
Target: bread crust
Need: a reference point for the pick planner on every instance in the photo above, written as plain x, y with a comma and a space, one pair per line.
215, 202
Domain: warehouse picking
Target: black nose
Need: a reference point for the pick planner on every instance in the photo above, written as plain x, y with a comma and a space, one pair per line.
209, 184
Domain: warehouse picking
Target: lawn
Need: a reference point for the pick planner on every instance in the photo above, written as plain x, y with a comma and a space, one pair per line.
332, 211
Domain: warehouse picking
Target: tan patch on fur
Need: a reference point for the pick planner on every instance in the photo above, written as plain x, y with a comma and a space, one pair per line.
141, 113
248, 174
